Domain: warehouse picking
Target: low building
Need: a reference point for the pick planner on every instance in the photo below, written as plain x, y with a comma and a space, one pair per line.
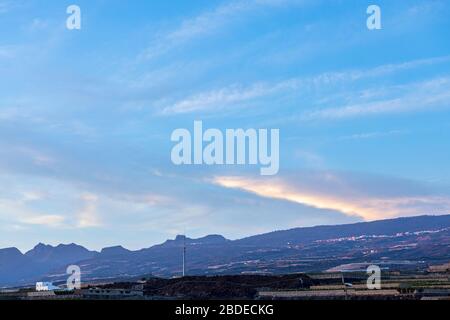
46, 286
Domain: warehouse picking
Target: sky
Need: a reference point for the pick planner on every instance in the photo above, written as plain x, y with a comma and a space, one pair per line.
86, 116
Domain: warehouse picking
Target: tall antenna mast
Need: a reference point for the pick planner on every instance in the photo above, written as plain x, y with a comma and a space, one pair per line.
184, 255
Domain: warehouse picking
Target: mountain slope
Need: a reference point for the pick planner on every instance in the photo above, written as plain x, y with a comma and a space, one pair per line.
14, 266
396, 243
381, 227
17, 268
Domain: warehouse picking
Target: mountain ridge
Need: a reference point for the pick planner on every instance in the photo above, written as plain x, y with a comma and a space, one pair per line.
297, 249
275, 232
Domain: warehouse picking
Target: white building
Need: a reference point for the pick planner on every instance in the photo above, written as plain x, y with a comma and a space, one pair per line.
46, 286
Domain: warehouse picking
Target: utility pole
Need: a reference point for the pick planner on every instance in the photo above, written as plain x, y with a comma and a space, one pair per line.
345, 287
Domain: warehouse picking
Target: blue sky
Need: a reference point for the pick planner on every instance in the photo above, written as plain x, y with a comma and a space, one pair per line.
86, 116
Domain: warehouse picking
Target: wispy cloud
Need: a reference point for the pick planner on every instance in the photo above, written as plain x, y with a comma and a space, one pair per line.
88, 216
209, 22
25, 198
334, 192
30, 196
234, 95
415, 97
218, 99
44, 220
17, 211
391, 68
373, 135
37, 157
7, 6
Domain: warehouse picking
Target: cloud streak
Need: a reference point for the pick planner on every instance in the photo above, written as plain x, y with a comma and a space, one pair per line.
209, 22
20, 213
425, 95
333, 192
44, 220
220, 98
234, 95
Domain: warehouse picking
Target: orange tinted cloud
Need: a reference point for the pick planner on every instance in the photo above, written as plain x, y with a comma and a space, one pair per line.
338, 196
